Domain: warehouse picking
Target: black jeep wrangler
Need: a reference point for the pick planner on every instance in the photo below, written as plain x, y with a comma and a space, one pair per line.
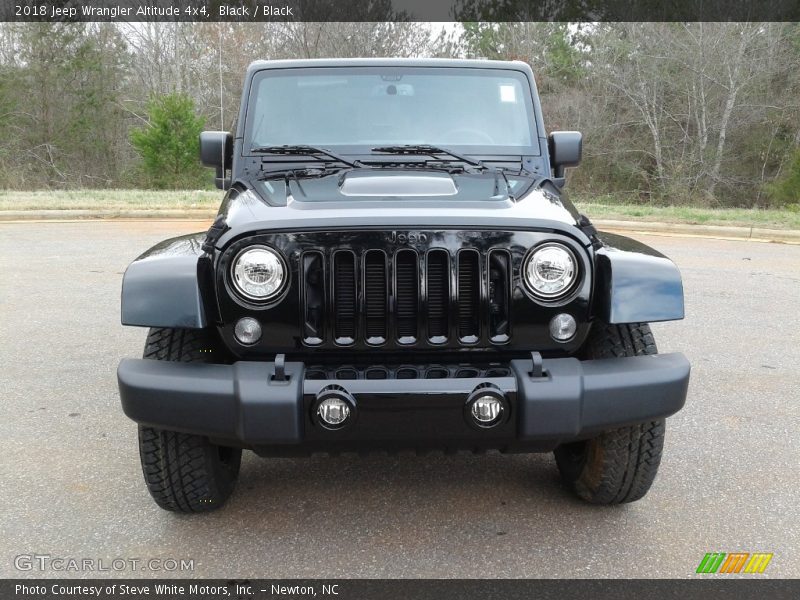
395, 266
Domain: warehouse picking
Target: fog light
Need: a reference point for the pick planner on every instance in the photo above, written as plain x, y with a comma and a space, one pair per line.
247, 331
563, 327
486, 410
333, 411
334, 408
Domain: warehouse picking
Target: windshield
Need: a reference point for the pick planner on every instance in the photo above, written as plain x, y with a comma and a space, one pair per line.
485, 111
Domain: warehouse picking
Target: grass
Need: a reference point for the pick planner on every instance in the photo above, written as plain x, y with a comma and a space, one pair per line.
109, 200
209, 199
738, 217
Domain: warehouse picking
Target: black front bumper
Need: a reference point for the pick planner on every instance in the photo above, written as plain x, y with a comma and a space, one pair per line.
245, 404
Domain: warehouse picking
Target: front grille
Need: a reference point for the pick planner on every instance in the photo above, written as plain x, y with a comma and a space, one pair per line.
375, 296
406, 297
444, 371
344, 297
469, 291
438, 285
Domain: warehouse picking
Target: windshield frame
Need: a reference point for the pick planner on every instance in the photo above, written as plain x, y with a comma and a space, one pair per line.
364, 150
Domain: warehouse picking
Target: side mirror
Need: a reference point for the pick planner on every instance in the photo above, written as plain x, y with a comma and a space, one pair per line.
216, 150
566, 148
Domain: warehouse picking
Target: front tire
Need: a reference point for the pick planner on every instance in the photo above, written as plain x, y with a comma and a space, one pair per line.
183, 472
619, 465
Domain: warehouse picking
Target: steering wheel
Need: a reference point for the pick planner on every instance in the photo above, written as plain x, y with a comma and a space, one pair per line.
468, 136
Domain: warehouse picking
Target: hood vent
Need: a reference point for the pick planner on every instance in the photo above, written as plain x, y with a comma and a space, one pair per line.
398, 185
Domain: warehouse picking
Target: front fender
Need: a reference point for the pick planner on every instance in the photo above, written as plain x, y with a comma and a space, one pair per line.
162, 288
635, 283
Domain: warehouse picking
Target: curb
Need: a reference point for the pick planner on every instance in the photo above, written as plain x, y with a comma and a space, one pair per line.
110, 214
724, 232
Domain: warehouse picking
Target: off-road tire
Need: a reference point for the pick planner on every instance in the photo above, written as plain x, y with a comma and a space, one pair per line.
182, 345
619, 465
185, 473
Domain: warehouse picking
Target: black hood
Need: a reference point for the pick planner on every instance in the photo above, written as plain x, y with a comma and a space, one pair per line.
393, 199
388, 185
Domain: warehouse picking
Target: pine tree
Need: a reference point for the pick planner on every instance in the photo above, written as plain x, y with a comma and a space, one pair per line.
169, 144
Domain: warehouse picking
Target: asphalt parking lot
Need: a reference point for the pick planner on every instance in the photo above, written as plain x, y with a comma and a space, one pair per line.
72, 485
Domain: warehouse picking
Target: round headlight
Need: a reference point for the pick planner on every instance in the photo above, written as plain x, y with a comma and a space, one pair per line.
258, 273
550, 270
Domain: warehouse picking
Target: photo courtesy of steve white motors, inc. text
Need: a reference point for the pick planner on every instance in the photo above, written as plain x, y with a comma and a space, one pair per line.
120, 589
171, 589
116, 11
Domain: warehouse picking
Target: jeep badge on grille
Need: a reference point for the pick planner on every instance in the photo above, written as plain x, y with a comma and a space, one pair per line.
409, 237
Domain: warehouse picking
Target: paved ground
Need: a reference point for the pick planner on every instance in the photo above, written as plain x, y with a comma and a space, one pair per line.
72, 485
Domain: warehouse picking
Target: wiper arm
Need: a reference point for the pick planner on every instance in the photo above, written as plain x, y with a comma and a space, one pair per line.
321, 171
312, 151
427, 150
417, 165
434, 150
502, 172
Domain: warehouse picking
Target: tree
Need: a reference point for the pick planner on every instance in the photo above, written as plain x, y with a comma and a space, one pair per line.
352, 40
699, 93
701, 113
553, 49
786, 190
59, 91
169, 144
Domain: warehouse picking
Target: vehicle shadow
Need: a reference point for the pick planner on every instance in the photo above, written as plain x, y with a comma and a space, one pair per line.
465, 484
396, 516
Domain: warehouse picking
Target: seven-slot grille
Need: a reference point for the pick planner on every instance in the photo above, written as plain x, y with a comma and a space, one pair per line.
405, 298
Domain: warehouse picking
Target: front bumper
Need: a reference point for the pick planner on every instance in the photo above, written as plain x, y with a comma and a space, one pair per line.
246, 404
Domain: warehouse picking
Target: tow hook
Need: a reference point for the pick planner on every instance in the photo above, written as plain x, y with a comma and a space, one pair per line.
537, 370
280, 368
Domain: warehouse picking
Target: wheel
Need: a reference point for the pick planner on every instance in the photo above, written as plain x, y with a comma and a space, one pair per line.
183, 472
619, 465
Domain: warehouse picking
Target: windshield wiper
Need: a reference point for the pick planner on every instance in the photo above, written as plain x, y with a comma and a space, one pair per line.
313, 151
434, 150
422, 149
310, 172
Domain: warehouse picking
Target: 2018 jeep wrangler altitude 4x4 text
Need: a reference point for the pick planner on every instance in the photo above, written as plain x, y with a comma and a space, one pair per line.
395, 266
